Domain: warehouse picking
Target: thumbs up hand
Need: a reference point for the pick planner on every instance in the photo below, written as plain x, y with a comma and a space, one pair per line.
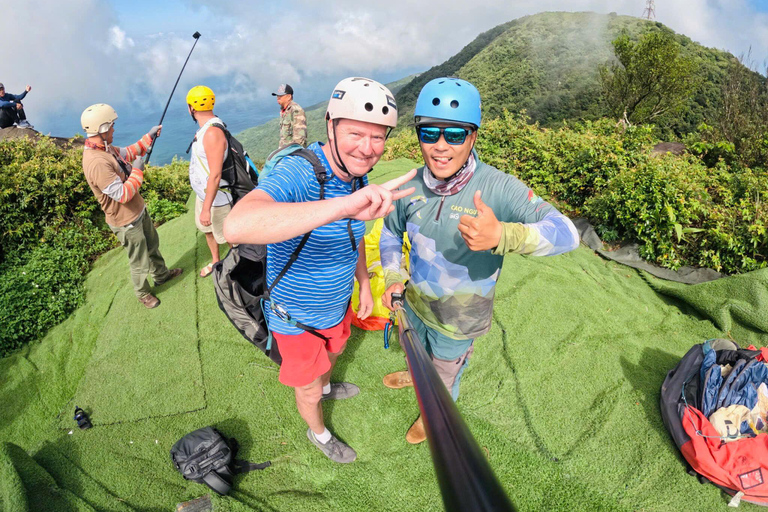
483, 232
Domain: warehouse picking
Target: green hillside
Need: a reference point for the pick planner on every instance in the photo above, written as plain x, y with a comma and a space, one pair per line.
548, 64
261, 140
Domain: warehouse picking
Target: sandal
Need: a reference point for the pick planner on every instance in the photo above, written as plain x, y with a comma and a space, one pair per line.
206, 270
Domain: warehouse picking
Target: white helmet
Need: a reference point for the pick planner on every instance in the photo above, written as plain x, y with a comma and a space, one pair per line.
363, 99
97, 119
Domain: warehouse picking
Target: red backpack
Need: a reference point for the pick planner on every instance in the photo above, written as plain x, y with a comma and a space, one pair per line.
738, 467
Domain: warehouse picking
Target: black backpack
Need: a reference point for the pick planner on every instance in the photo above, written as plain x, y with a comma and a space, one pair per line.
206, 457
240, 281
238, 170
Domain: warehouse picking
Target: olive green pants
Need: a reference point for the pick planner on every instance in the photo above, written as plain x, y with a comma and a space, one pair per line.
142, 243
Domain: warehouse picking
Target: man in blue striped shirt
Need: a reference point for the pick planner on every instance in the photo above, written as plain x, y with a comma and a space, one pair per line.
317, 288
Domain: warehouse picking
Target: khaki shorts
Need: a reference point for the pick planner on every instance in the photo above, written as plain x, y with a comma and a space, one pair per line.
218, 214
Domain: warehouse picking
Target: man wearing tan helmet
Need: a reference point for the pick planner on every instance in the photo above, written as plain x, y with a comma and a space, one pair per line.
315, 292
115, 183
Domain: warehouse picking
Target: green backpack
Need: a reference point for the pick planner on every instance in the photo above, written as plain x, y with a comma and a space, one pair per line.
274, 158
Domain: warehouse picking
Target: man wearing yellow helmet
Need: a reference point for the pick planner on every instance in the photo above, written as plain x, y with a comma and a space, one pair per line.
207, 155
115, 183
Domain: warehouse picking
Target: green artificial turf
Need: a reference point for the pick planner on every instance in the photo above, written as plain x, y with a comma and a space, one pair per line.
562, 395
146, 362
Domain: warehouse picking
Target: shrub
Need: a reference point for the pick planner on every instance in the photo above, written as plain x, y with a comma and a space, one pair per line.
658, 204
403, 145
51, 228
41, 187
703, 210
40, 288
162, 210
166, 190
701, 144
170, 182
735, 239
567, 165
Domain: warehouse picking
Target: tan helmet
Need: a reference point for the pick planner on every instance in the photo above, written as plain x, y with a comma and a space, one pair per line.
363, 99
97, 119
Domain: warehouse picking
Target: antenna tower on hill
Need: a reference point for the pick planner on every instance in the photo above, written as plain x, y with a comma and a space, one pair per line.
650, 10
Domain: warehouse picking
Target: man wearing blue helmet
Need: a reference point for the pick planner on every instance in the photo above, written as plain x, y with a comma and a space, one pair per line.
462, 219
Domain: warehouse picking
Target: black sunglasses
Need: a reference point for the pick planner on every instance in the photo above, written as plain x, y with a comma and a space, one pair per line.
454, 135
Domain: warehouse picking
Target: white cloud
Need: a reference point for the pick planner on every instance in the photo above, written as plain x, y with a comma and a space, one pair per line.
118, 38
350, 36
77, 53
65, 51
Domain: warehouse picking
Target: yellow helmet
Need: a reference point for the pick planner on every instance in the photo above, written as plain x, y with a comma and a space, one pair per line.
201, 98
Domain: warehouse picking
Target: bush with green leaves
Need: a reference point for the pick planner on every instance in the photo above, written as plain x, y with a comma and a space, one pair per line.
679, 210
166, 190
170, 182
52, 228
403, 145
42, 189
736, 236
39, 288
659, 204
566, 165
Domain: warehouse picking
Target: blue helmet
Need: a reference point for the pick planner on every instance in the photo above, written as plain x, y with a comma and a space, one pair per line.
449, 99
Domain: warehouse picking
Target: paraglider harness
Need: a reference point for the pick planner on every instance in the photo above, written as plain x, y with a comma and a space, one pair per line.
277, 309
240, 278
734, 461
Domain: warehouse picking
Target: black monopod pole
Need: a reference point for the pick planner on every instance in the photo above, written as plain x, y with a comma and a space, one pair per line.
464, 475
196, 35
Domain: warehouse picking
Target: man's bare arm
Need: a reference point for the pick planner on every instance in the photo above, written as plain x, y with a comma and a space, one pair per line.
258, 219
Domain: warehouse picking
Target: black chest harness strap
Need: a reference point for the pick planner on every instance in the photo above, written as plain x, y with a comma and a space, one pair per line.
322, 179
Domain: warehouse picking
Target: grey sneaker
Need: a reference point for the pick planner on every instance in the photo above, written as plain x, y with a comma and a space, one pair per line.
25, 124
340, 391
334, 449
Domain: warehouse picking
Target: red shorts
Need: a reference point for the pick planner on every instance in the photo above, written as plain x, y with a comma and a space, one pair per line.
305, 356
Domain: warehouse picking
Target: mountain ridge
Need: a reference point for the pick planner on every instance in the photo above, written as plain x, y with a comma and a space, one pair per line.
546, 64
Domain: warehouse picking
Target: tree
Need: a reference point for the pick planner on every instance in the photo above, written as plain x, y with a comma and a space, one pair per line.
743, 118
651, 80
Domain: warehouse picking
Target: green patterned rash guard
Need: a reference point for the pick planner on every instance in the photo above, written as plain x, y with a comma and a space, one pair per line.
451, 287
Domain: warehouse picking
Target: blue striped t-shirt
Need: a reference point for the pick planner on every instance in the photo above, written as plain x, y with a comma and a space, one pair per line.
317, 288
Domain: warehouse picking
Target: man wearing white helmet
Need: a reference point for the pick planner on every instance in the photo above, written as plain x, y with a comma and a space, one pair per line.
115, 183
317, 288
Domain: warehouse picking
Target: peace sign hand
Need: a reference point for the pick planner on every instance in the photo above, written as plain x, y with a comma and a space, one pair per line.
375, 201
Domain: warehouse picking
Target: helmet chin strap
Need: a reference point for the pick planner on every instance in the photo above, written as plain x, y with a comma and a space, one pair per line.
102, 136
